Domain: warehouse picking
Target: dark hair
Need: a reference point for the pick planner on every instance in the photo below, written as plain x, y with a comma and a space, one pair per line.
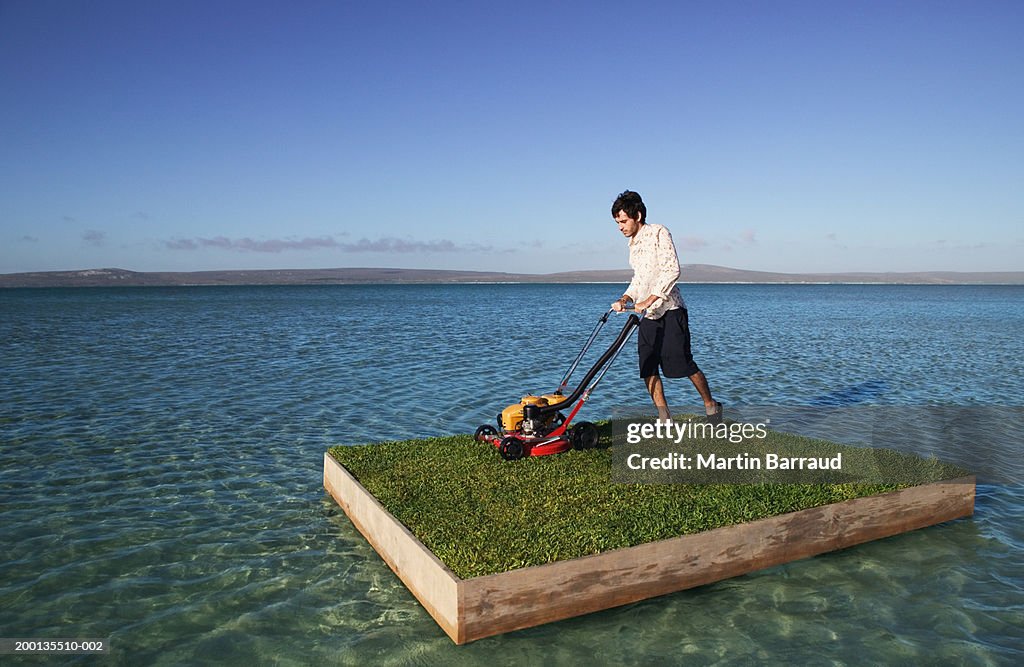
632, 204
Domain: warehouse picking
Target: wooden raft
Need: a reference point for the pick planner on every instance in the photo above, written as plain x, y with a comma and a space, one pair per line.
470, 609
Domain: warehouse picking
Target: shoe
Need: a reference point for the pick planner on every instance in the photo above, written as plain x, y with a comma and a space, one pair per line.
716, 416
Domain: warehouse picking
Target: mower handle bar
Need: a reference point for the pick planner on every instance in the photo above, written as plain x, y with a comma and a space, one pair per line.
603, 363
579, 357
586, 346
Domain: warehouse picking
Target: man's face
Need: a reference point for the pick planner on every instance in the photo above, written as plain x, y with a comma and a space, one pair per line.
627, 225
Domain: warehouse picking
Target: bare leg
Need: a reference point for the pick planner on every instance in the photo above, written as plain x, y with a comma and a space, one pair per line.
657, 392
712, 408
700, 383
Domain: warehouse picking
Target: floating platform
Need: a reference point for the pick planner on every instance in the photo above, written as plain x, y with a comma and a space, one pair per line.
471, 609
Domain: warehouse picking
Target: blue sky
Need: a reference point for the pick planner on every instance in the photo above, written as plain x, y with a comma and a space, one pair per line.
771, 135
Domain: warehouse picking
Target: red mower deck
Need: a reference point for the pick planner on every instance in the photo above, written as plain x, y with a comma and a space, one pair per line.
536, 426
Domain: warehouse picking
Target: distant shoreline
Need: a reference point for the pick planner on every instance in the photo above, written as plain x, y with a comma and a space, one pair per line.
692, 274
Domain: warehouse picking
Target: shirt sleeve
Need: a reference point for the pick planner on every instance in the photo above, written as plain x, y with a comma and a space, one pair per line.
631, 290
668, 265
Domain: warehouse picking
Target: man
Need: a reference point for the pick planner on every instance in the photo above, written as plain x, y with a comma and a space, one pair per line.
664, 337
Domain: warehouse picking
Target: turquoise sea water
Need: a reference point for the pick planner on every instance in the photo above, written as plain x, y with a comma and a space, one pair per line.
161, 453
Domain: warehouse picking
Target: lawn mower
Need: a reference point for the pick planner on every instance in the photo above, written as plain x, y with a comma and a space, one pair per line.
535, 426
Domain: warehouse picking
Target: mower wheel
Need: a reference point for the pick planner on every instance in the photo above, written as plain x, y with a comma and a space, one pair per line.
511, 449
484, 431
583, 436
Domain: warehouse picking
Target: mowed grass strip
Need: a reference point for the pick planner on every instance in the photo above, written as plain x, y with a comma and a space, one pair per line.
480, 514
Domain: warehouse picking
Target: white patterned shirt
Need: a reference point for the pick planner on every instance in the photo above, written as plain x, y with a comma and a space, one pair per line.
652, 256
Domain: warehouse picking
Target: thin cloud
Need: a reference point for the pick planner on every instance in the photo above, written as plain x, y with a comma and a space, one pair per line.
946, 244
29, 239
251, 245
748, 237
393, 245
94, 237
382, 245
692, 243
387, 245
181, 244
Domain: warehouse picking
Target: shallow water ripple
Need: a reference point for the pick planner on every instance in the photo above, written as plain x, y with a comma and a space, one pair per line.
161, 468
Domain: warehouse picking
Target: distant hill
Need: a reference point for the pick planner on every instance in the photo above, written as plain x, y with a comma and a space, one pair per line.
692, 273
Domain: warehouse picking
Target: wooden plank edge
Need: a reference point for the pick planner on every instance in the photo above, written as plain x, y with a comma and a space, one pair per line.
435, 586
499, 603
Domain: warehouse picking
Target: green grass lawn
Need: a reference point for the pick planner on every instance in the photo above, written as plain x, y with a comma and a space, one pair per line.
480, 514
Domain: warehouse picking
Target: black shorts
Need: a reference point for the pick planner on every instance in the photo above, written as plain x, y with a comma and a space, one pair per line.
665, 342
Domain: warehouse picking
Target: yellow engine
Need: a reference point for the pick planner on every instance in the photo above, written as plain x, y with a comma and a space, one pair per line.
512, 416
